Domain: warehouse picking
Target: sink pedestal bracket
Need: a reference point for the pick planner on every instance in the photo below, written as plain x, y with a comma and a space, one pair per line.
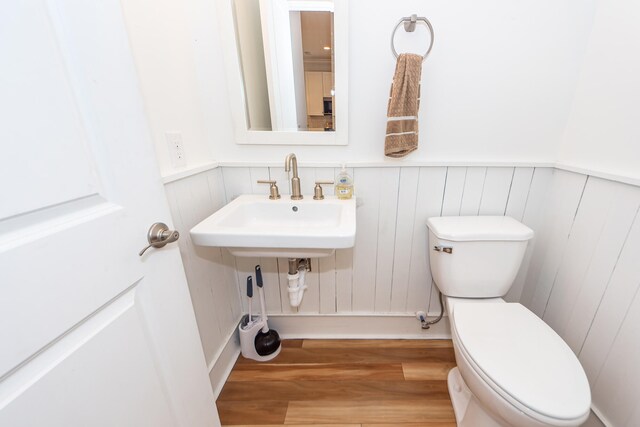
298, 268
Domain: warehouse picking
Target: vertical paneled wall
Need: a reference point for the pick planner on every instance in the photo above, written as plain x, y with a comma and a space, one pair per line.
387, 271
210, 271
581, 273
583, 280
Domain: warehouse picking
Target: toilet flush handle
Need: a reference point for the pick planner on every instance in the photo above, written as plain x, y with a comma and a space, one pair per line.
445, 249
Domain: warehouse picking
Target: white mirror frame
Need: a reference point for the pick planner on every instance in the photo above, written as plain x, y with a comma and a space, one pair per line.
236, 86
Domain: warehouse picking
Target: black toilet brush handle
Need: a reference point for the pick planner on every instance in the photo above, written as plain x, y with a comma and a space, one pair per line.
258, 276
250, 294
263, 304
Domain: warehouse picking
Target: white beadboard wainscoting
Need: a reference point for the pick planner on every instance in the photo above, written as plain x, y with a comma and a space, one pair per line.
386, 273
581, 272
583, 280
210, 272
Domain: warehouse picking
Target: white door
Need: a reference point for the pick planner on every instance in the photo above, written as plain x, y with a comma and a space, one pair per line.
91, 334
315, 106
327, 84
278, 59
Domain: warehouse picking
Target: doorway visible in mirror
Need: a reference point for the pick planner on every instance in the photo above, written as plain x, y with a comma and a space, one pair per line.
286, 55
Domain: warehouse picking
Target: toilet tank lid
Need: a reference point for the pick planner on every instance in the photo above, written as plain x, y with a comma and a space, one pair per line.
479, 228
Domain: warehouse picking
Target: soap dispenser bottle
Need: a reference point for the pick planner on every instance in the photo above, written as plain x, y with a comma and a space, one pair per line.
344, 184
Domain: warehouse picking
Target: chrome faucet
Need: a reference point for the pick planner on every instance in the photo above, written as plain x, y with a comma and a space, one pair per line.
292, 162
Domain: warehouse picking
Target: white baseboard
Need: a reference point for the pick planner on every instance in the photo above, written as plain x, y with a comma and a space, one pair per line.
597, 419
222, 365
350, 326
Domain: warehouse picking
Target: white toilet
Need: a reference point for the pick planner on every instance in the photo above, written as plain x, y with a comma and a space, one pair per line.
513, 369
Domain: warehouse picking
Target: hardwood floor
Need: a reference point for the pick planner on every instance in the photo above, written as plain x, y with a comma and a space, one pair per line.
343, 383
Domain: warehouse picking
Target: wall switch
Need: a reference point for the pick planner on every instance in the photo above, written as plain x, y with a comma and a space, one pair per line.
176, 149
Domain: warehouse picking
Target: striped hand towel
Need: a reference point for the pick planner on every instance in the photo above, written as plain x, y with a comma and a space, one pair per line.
402, 111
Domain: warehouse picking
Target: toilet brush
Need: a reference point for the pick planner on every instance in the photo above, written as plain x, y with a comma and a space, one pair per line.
267, 341
248, 320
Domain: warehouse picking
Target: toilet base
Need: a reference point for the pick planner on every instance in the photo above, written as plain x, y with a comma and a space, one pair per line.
468, 411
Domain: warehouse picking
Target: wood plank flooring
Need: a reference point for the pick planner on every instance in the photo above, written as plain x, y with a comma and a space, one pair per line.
343, 383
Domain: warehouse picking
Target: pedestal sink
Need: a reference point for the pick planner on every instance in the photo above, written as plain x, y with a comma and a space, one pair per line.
254, 226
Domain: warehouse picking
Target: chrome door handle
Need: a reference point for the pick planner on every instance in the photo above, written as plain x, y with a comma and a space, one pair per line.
159, 235
445, 249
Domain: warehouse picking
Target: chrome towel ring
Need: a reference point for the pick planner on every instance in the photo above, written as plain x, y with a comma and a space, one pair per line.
410, 26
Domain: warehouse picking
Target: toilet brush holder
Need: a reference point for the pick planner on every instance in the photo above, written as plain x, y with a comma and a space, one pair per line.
248, 332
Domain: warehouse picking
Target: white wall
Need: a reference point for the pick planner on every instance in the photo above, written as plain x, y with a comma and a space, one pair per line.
585, 277
210, 271
164, 43
497, 86
603, 131
583, 280
298, 69
251, 51
505, 82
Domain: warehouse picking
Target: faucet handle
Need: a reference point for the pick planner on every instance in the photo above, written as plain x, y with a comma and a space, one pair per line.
317, 191
274, 194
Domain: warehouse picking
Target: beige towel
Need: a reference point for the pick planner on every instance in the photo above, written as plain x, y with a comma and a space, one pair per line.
402, 111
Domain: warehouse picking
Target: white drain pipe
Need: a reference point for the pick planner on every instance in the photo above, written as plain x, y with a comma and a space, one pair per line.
296, 276
297, 287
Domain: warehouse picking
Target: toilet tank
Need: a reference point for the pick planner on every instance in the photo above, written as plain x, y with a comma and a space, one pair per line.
476, 256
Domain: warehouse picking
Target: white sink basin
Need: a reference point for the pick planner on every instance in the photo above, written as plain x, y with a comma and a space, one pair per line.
254, 226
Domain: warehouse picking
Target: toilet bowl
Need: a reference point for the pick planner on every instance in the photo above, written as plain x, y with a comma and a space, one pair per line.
512, 368
515, 367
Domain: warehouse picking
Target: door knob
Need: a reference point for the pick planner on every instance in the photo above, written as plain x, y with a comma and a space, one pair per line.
159, 235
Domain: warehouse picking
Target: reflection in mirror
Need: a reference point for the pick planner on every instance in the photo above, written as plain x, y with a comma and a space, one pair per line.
286, 53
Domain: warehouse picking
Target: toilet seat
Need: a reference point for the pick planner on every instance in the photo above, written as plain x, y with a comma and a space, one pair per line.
523, 360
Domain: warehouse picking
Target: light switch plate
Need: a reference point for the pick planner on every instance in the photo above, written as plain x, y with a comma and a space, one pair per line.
176, 149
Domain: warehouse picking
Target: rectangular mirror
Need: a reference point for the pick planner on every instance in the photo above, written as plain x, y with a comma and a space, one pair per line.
286, 63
